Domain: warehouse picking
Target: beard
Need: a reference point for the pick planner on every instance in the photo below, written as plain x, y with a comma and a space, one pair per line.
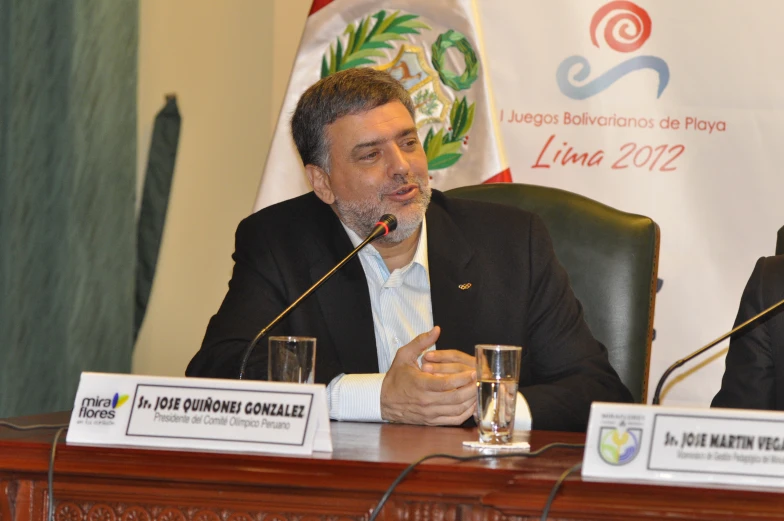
361, 216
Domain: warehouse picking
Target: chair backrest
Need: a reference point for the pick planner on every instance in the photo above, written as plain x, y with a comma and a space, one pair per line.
611, 258
780, 242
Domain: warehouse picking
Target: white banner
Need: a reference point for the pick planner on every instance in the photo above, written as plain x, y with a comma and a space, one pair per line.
670, 109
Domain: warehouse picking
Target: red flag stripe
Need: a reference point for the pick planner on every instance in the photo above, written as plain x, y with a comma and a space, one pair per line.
503, 177
318, 4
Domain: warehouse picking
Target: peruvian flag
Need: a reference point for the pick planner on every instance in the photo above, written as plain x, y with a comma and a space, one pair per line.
435, 49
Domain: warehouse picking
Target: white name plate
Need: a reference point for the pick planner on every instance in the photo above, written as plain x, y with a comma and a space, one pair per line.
675, 444
200, 413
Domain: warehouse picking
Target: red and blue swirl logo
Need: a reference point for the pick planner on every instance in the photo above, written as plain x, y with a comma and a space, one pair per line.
624, 27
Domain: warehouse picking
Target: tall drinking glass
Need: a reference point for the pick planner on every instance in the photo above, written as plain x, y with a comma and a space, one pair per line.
292, 359
497, 370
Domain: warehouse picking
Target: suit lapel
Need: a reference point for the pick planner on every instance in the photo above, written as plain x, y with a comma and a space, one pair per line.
345, 302
455, 281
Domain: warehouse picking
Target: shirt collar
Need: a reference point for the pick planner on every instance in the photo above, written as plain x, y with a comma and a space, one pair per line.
420, 256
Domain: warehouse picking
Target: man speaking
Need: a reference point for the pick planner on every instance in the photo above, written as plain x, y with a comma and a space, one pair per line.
453, 274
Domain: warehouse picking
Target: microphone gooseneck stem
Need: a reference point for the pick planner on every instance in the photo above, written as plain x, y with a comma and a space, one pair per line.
698, 352
377, 232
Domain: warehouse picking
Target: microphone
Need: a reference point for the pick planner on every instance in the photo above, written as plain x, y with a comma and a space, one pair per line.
741, 328
385, 224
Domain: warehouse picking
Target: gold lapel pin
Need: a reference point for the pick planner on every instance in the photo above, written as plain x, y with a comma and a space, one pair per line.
464, 286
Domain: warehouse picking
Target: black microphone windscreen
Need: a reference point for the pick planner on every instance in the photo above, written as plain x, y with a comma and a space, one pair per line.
389, 220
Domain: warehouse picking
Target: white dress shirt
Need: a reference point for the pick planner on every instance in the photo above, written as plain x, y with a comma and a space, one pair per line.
402, 309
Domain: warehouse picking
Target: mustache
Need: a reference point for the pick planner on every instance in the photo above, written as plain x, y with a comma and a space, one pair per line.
397, 184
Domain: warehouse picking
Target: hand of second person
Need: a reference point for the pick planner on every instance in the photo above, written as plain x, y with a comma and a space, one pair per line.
411, 395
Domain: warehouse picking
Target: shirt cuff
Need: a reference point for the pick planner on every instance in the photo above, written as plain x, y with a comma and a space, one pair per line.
522, 414
356, 397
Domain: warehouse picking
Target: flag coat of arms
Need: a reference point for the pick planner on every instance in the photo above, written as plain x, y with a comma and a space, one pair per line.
435, 50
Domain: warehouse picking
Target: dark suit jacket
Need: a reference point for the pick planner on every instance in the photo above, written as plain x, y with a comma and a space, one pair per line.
519, 295
754, 374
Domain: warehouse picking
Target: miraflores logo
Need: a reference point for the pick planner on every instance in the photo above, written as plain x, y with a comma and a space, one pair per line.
619, 445
102, 408
399, 42
627, 27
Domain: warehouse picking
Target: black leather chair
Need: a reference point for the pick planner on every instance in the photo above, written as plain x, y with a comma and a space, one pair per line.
780, 242
611, 258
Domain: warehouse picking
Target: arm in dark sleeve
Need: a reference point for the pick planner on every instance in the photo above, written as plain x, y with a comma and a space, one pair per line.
569, 367
748, 381
254, 298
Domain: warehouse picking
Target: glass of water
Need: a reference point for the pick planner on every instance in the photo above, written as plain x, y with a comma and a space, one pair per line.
292, 359
497, 370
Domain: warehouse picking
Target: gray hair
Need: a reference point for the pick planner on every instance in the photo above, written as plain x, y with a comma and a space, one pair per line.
343, 93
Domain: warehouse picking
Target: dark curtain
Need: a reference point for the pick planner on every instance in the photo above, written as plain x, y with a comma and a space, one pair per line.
67, 181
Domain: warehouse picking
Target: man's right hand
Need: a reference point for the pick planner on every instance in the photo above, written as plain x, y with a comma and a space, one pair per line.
410, 395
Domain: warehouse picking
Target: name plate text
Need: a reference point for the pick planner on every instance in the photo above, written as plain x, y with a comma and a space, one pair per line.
200, 413
689, 445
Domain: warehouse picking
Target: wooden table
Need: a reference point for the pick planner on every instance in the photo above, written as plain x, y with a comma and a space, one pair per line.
119, 484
